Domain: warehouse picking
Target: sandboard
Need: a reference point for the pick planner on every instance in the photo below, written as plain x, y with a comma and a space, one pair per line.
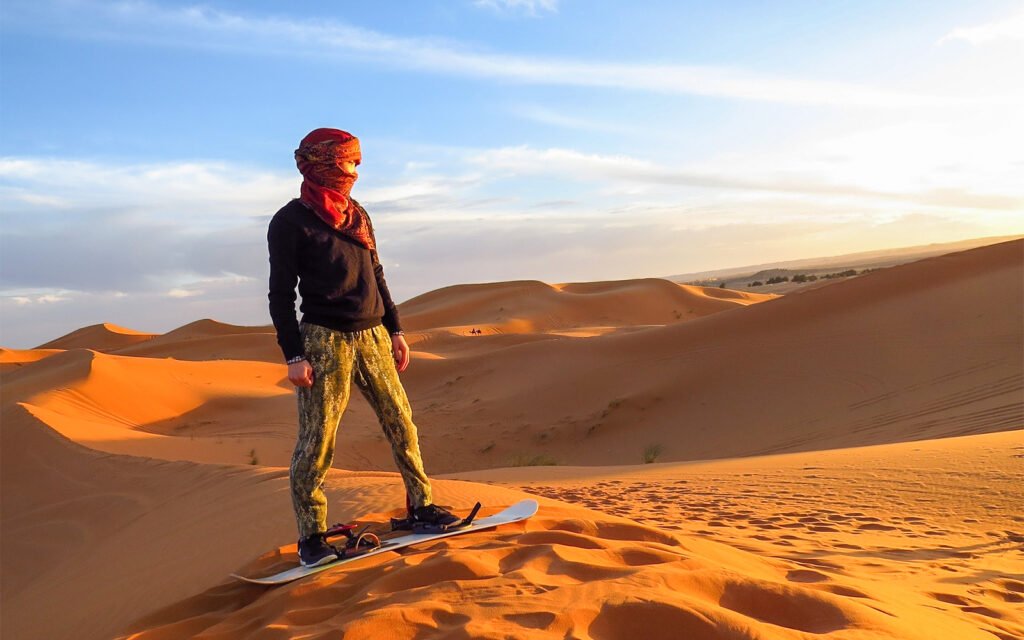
519, 511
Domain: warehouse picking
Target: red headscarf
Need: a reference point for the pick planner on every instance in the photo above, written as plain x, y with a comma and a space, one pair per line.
326, 186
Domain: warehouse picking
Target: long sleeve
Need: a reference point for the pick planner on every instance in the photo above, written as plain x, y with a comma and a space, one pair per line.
390, 320
283, 248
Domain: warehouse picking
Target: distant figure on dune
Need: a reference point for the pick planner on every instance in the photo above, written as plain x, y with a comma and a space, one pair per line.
349, 331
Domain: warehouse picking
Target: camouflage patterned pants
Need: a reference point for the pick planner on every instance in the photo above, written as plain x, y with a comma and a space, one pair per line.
338, 358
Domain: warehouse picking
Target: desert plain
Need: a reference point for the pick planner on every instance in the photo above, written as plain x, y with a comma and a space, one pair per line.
843, 461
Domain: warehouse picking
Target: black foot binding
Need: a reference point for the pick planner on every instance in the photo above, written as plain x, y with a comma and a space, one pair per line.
361, 539
433, 519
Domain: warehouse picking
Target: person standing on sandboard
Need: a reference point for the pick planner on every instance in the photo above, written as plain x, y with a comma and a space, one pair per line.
349, 332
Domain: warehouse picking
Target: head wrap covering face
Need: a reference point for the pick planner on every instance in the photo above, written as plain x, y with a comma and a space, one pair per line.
326, 186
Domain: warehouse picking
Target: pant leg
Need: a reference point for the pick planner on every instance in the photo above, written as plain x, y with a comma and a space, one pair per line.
377, 378
321, 406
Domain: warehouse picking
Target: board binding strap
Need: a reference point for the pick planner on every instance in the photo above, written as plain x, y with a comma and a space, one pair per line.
410, 524
355, 541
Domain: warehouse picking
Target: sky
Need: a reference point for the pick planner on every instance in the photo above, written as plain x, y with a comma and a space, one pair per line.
145, 145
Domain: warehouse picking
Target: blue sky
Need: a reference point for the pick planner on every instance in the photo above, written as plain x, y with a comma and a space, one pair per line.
144, 145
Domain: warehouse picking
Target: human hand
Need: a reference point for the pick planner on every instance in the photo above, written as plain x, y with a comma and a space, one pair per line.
400, 349
301, 373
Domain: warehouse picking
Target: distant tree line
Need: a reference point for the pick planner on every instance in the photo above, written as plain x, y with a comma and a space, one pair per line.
803, 277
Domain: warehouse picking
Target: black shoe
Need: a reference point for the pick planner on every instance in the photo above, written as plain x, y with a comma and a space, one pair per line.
433, 516
313, 551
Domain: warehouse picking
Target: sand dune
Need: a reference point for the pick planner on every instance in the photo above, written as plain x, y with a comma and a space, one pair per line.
200, 340
506, 314
166, 408
11, 359
923, 350
101, 337
221, 406
258, 345
894, 355
131, 487
111, 537
530, 306
207, 340
567, 573
150, 543
880, 569
935, 524
227, 411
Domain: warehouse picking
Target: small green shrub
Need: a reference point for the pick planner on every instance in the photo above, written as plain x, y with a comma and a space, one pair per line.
651, 453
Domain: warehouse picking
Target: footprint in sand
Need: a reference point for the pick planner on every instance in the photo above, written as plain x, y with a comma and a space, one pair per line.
983, 611
952, 598
874, 526
1006, 590
806, 575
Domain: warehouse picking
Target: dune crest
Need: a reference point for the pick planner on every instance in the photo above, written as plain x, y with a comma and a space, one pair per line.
11, 359
105, 336
530, 306
176, 410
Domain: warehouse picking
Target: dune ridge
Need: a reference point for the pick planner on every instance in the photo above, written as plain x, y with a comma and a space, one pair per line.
531, 306
104, 336
11, 359
156, 407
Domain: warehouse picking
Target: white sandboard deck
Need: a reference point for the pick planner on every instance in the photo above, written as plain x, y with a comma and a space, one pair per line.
519, 511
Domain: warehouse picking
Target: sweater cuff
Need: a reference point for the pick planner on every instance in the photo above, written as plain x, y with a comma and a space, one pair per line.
391, 323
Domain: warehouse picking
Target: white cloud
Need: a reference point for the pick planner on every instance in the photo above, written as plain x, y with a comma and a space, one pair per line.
204, 193
202, 286
42, 298
856, 178
530, 7
1011, 28
183, 293
414, 189
205, 28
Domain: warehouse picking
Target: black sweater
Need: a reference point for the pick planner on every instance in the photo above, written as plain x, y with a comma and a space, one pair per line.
341, 281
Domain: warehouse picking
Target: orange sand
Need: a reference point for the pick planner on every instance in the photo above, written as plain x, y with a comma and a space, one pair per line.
129, 492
